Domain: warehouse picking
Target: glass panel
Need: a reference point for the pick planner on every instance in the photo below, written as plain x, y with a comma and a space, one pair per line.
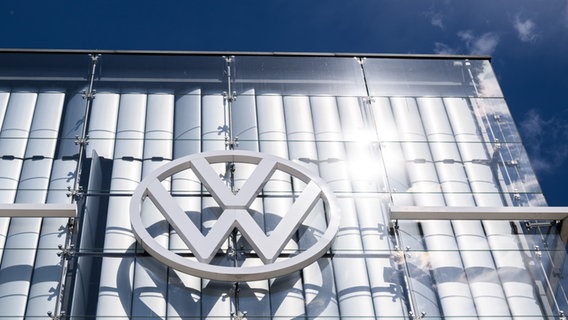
418, 77
298, 76
497, 119
495, 257
162, 73
23, 66
517, 172
44, 72
485, 79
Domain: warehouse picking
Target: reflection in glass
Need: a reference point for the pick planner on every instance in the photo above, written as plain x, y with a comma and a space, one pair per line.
334, 76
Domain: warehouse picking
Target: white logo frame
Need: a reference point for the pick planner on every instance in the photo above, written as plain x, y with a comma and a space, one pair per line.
234, 216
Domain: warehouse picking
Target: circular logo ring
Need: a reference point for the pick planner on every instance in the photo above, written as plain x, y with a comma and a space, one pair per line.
236, 206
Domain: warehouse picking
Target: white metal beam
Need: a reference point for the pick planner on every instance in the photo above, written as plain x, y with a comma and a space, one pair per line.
478, 213
37, 210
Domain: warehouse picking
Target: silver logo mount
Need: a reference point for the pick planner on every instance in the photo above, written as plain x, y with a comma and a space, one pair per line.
234, 216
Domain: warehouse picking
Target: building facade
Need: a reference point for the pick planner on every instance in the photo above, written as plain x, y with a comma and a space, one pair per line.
171, 185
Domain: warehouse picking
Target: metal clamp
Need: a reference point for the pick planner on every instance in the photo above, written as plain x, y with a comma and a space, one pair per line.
529, 225
537, 252
512, 163
393, 227
234, 254
416, 317
231, 143
66, 252
239, 315
89, 95
80, 141
230, 96
75, 194
369, 99
516, 195
56, 317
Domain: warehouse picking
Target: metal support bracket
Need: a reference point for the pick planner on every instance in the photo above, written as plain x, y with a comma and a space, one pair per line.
79, 141
66, 253
42, 210
232, 96
369, 99
231, 143
239, 315
60, 316
413, 316
529, 225
75, 194
393, 227
478, 213
512, 163
89, 95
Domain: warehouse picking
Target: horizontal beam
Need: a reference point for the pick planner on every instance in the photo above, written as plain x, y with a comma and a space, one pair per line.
251, 53
31, 210
478, 213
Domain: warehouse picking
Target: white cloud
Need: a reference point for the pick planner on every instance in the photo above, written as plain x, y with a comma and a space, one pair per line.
485, 45
442, 48
482, 45
436, 19
488, 84
466, 35
525, 29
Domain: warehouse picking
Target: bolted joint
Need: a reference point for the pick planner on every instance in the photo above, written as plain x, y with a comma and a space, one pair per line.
75, 194
90, 95
369, 100
497, 145
60, 316
235, 289
240, 315
94, 57
82, 141
516, 195
231, 143
230, 97
537, 252
512, 163
393, 227
66, 253
360, 60
71, 224
416, 317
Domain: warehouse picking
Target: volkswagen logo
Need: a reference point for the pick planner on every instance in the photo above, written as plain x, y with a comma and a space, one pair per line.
235, 215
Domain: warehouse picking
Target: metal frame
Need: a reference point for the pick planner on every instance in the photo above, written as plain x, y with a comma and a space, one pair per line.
249, 53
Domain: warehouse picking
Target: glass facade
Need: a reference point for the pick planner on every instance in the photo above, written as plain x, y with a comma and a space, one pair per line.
381, 132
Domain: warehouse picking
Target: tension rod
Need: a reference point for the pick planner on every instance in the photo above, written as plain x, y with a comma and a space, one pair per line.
67, 252
230, 96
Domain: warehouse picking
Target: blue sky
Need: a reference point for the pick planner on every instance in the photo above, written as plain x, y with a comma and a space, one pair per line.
528, 40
